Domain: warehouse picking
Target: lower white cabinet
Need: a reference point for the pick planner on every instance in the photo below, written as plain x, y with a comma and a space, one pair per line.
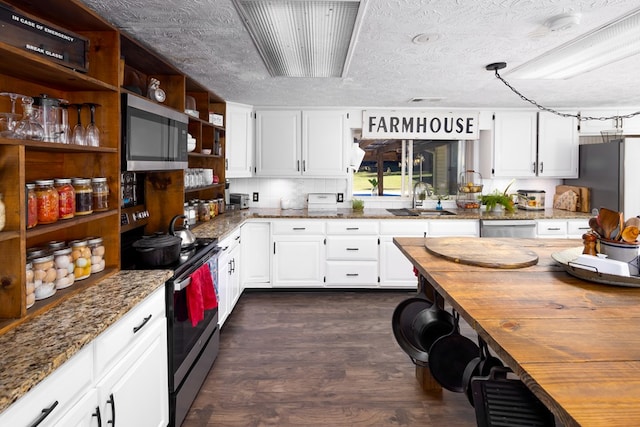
228, 275
396, 271
255, 237
352, 253
298, 253
454, 228
561, 229
121, 378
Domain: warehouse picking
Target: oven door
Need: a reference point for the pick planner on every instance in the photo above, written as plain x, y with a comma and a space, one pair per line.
187, 341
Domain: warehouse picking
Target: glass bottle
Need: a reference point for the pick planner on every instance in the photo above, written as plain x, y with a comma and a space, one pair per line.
29, 127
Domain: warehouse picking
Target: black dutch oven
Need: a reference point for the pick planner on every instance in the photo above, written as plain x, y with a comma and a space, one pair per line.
158, 250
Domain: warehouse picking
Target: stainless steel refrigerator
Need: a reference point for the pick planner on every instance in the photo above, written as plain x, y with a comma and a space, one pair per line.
612, 171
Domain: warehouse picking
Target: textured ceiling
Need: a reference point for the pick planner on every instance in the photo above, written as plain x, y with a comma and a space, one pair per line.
206, 39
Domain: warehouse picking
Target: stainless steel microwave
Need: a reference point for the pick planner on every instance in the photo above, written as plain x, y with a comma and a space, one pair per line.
154, 137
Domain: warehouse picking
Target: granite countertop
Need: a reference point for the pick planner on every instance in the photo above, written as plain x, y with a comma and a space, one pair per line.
224, 224
34, 349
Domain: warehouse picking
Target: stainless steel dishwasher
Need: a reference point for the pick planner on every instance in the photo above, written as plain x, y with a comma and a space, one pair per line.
525, 228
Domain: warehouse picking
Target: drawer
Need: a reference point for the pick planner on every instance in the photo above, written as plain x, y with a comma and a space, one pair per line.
298, 227
347, 273
454, 227
406, 228
551, 228
576, 228
352, 248
66, 385
119, 338
352, 227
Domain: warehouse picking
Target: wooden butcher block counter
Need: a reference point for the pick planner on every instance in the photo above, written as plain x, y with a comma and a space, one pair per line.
574, 343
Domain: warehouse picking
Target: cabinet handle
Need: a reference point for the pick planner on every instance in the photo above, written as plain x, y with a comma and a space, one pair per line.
352, 274
226, 164
353, 249
584, 228
353, 228
298, 165
144, 322
44, 414
233, 265
541, 167
97, 414
553, 228
112, 402
304, 166
299, 228
533, 169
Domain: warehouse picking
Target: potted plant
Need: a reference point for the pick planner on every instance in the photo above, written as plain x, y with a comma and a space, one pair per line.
374, 185
497, 200
357, 205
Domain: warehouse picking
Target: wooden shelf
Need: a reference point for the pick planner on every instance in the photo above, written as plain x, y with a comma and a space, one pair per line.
8, 235
56, 146
205, 187
62, 224
211, 156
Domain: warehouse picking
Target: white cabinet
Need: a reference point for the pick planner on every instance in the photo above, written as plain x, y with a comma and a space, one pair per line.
352, 253
295, 143
123, 373
298, 253
561, 229
239, 141
256, 272
529, 144
628, 125
396, 271
577, 227
558, 146
454, 228
228, 275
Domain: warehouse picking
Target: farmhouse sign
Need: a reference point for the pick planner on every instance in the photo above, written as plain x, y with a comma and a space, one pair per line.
411, 124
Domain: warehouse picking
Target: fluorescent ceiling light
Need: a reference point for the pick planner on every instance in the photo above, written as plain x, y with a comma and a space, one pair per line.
303, 38
605, 45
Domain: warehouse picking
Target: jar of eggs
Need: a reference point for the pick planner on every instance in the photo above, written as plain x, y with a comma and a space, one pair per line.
81, 255
64, 268
97, 254
30, 286
44, 277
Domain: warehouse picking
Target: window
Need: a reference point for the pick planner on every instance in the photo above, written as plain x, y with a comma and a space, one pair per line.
393, 167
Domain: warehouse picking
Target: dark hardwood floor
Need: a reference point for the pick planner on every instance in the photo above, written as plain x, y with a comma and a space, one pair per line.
318, 359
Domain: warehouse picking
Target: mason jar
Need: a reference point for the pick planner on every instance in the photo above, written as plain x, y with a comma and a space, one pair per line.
96, 245
66, 198
44, 276
47, 201
84, 196
100, 194
32, 205
81, 255
65, 267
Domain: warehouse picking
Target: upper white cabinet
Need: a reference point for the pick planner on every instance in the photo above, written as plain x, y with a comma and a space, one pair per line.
239, 141
296, 143
529, 144
628, 126
558, 146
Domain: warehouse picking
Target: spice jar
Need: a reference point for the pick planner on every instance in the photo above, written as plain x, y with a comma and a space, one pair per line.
63, 262
81, 255
30, 287
32, 206
84, 196
100, 194
47, 201
66, 198
3, 214
44, 276
204, 214
96, 246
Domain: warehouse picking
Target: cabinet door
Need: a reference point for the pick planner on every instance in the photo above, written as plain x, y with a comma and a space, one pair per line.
515, 144
85, 413
136, 391
224, 272
298, 261
278, 143
557, 146
594, 127
239, 141
234, 278
255, 247
631, 125
395, 268
324, 136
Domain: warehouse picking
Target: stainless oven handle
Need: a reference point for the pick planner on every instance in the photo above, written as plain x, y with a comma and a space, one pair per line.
178, 286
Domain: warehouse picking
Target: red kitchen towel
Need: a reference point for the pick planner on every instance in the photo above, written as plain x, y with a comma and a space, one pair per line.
201, 295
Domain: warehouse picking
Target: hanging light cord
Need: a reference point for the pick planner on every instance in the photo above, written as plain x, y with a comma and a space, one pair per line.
495, 67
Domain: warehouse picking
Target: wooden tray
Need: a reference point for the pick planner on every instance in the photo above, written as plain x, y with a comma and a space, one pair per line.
566, 257
485, 252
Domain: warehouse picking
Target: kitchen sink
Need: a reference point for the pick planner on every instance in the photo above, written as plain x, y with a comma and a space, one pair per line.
420, 212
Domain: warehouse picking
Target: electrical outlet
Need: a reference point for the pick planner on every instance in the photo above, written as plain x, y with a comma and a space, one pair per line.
255, 197
340, 197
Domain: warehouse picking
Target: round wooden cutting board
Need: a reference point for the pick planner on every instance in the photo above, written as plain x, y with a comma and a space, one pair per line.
484, 252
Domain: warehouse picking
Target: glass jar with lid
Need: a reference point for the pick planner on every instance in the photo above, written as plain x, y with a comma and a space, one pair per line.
64, 268
44, 276
66, 198
47, 201
204, 214
30, 287
96, 245
32, 205
100, 194
84, 196
81, 255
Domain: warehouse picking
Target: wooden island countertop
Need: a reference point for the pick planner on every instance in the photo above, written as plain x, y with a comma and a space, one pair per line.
574, 343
